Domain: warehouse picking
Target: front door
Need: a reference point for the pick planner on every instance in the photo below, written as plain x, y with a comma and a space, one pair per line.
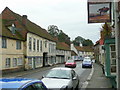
45, 61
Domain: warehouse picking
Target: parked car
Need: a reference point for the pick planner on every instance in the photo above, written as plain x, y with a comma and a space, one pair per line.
70, 63
87, 58
87, 63
21, 84
61, 78
80, 58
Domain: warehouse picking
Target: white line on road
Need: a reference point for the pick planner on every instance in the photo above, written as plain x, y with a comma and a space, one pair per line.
85, 84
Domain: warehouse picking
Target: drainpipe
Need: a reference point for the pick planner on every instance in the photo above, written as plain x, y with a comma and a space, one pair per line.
117, 36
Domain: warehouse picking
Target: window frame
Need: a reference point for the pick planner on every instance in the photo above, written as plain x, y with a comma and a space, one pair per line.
18, 45
20, 61
30, 43
4, 42
14, 62
8, 62
34, 44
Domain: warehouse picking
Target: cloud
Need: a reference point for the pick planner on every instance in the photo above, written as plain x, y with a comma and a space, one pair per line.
69, 15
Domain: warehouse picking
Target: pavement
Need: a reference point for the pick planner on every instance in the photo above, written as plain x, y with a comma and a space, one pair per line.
97, 80
22, 73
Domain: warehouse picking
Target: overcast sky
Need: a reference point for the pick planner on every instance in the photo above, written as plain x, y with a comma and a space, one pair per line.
69, 15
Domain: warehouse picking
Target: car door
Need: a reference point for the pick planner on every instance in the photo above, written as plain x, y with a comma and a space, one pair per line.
74, 79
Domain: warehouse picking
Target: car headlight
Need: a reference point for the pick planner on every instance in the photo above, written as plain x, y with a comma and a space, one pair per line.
64, 88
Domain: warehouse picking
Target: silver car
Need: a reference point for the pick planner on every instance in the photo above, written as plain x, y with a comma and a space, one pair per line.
61, 78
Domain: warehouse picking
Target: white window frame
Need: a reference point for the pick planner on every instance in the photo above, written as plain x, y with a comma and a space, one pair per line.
14, 61
38, 45
30, 43
30, 61
34, 44
18, 45
41, 45
8, 62
20, 61
112, 58
4, 42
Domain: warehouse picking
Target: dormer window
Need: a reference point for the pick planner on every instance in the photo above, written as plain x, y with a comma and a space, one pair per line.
12, 28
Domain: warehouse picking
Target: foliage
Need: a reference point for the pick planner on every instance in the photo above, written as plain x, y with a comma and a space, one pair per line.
78, 40
106, 30
55, 32
87, 42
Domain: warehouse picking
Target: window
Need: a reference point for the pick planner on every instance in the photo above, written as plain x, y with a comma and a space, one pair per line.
7, 62
113, 58
38, 86
29, 88
38, 45
30, 43
20, 61
45, 44
30, 61
49, 47
4, 43
18, 45
14, 62
35, 86
34, 44
38, 60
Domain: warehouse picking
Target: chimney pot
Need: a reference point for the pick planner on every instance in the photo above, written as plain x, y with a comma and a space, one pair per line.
24, 19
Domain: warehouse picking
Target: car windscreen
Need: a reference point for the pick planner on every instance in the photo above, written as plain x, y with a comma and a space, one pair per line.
86, 62
58, 73
70, 61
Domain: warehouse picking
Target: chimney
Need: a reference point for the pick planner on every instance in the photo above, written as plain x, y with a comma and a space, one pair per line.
24, 19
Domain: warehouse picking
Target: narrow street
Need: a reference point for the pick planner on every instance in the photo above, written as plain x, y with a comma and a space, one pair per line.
52, 34
82, 73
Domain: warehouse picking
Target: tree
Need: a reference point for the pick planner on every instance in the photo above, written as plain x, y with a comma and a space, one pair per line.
87, 42
53, 30
62, 37
78, 40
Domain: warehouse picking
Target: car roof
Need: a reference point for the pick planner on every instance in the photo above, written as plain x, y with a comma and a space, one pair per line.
86, 57
15, 82
61, 68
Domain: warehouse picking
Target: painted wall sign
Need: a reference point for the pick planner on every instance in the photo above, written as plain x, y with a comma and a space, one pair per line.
99, 12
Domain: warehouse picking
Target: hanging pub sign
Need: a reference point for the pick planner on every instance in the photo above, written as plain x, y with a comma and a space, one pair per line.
99, 12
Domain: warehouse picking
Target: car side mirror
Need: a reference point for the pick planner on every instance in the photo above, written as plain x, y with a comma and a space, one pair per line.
43, 76
74, 78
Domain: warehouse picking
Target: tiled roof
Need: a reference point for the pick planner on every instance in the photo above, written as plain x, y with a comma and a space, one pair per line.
79, 48
62, 46
7, 33
10, 17
84, 48
88, 48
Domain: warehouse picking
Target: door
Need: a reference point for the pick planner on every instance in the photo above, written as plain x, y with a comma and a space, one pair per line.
45, 61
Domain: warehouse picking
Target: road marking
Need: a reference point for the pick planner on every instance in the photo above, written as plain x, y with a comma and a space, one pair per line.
90, 76
85, 84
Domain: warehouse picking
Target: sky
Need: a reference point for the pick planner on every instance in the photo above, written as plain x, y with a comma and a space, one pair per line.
70, 16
